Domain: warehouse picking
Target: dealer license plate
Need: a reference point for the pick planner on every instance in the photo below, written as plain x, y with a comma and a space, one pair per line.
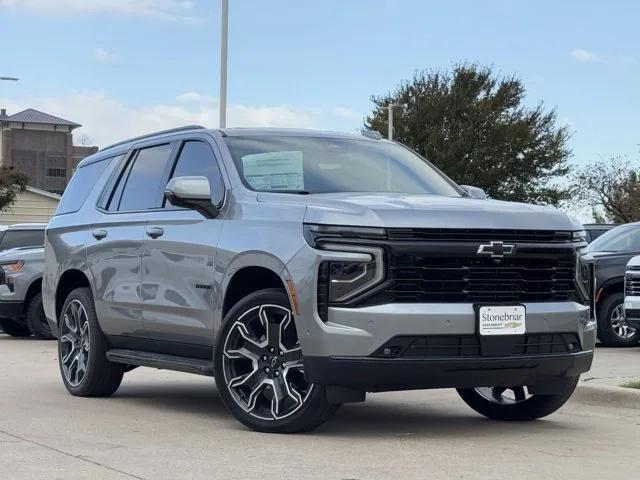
501, 320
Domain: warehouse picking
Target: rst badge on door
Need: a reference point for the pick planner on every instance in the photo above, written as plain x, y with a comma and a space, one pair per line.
502, 320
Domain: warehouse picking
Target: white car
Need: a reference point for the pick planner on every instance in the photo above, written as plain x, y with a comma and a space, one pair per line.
632, 293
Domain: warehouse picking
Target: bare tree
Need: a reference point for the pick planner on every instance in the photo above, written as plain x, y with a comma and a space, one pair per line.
84, 140
610, 188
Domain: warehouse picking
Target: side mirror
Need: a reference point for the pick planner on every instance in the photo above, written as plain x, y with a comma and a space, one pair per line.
475, 192
193, 193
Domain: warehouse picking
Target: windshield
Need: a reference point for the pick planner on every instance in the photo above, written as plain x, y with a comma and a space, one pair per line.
299, 164
625, 238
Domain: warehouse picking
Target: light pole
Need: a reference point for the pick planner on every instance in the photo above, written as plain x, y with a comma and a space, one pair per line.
224, 34
390, 108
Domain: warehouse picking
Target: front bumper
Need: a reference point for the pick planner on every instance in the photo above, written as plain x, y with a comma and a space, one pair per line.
11, 310
379, 374
632, 311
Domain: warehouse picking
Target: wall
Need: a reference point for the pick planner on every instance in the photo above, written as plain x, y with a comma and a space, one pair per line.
29, 208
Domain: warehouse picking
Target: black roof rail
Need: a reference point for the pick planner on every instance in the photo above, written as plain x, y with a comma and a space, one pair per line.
150, 135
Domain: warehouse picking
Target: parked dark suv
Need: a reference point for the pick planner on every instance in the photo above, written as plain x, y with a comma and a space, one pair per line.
610, 253
303, 269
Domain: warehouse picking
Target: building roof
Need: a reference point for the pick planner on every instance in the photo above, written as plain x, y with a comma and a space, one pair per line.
35, 116
43, 193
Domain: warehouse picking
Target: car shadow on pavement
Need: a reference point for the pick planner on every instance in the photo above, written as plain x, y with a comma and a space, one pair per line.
430, 420
188, 399
385, 418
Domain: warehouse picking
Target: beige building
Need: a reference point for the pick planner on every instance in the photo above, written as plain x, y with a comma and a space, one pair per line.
40, 146
31, 206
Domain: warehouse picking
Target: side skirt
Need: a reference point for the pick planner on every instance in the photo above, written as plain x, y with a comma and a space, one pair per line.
161, 361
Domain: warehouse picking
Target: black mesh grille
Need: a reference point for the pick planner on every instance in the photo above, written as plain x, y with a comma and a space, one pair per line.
479, 235
470, 346
425, 278
632, 285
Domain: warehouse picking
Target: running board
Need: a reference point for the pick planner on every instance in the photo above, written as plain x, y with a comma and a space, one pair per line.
161, 361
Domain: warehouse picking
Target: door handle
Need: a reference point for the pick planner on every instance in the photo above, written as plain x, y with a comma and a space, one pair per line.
154, 232
99, 233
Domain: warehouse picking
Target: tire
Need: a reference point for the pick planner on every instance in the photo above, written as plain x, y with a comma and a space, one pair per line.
247, 372
14, 329
35, 319
81, 342
619, 335
525, 409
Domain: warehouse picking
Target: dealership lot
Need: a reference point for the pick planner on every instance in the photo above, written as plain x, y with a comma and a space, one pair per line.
169, 425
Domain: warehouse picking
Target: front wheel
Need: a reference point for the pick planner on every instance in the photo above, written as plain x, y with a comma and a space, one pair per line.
259, 371
613, 330
515, 403
36, 320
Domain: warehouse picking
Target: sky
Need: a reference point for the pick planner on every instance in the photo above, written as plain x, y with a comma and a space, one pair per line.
127, 67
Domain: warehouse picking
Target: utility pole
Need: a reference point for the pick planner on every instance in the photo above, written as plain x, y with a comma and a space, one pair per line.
224, 35
390, 108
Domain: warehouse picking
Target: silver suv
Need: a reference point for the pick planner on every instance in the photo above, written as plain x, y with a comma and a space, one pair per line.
303, 269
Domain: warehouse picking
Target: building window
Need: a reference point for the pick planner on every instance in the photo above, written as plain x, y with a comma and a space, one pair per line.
57, 172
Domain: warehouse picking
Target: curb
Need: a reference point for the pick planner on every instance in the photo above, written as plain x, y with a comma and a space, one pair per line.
606, 396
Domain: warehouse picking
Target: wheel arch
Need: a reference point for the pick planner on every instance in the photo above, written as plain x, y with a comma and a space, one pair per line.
247, 280
69, 281
612, 285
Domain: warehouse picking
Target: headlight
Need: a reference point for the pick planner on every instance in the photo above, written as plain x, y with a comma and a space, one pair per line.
317, 234
346, 279
12, 267
579, 237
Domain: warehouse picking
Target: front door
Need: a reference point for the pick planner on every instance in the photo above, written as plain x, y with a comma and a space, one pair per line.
178, 262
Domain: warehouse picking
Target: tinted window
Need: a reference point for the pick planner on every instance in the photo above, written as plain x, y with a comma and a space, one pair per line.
327, 165
22, 238
143, 182
197, 159
80, 186
625, 238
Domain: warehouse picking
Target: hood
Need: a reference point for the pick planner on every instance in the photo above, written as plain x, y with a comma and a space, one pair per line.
424, 211
22, 253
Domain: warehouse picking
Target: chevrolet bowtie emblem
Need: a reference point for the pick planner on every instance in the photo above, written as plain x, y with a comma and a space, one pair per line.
496, 249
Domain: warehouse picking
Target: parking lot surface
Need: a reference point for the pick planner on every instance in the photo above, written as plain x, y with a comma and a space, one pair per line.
169, 425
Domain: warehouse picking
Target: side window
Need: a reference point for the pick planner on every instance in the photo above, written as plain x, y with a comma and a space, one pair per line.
143, 179
22, 238
197, 159
81, 185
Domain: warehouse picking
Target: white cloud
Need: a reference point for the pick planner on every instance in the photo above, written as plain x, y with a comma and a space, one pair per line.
582, 55
101, 55
346, 113
173, 10
106, 120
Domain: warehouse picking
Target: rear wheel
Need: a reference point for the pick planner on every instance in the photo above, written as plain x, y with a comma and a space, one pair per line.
613, 330
82, 349
259, 371
36, 320
14, 329
515, 403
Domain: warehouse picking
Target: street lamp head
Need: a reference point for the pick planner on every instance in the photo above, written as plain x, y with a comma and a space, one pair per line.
11, 79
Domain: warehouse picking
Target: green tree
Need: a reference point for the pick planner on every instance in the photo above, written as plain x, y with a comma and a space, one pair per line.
474, 126
11, 183
610, 188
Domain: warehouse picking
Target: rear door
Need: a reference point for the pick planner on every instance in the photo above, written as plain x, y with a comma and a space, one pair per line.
114, 254
178, 260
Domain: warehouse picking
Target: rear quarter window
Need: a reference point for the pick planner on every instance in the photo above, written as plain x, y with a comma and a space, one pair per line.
81, 185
